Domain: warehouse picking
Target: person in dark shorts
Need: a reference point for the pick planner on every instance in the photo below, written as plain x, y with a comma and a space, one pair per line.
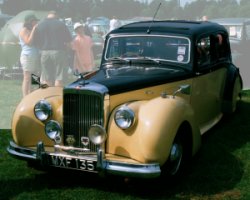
52, 38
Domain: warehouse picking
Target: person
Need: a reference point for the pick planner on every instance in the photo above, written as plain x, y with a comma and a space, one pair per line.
88, 20
204, 18
82, 46
203, 51
53, 38
113, 24
87, 30
29, 57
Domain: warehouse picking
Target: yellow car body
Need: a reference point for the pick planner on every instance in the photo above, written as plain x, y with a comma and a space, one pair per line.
135, 116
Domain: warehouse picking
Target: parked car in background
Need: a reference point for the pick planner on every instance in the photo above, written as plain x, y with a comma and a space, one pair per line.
135, 19
161, 85
239, 35
100, 24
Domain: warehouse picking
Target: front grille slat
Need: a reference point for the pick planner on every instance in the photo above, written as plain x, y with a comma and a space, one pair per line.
80, 111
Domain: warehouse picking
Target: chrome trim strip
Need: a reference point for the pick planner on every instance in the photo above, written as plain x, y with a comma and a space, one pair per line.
74, 150
118, 168
134, 170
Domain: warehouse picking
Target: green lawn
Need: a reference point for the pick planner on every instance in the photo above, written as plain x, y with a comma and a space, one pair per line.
220, 171
10, 95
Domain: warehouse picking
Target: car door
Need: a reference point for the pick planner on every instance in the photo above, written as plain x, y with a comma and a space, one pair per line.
208, 85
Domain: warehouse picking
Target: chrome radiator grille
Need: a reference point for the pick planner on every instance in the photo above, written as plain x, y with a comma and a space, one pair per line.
80, 111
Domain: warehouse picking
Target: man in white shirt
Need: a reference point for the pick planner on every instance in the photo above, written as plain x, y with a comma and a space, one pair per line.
113, 24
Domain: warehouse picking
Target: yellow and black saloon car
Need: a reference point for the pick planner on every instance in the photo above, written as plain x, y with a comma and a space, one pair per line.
160, 86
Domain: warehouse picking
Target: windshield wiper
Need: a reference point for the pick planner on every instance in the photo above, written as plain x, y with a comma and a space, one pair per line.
150, 59
119, 59
176, 66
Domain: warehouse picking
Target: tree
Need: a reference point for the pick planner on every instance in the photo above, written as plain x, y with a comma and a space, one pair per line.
13, 7
170, 9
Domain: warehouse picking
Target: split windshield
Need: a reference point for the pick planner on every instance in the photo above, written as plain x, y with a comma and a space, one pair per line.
162, 48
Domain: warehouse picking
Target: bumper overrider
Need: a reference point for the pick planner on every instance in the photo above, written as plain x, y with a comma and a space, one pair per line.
65, 157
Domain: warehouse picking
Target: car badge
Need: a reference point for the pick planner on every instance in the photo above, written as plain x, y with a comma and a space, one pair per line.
85, 141
70, 140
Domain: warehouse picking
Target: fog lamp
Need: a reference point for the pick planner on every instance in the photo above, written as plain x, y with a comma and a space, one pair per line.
97, 134
53, 130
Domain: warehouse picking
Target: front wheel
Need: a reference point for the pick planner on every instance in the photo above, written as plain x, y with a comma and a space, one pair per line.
176, 158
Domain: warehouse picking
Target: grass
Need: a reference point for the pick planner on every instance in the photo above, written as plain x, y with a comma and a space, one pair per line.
220, 171
10, 95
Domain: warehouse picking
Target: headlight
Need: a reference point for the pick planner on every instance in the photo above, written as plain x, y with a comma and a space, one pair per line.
53, 130
43, 110
97, 134
124, 117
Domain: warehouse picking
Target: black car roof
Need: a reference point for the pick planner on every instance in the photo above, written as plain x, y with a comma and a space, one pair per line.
170, 26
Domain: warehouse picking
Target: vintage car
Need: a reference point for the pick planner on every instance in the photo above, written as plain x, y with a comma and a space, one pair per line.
160, 86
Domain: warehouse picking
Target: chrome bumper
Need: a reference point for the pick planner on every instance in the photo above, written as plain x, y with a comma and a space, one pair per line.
103, 165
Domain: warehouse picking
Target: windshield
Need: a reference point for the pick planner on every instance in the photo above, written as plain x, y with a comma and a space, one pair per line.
165, 48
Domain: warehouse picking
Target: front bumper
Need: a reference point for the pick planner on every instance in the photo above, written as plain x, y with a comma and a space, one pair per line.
103, 165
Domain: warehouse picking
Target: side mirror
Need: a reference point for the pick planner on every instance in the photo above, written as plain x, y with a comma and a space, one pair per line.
36, 80
184, 89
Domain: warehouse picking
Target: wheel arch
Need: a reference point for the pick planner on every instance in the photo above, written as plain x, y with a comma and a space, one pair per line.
231, 82
184, 136
186, 133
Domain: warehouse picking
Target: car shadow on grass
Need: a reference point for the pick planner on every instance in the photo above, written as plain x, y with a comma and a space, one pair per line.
215, 170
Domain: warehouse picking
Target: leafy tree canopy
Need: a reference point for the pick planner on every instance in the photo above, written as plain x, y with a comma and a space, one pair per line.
125, 9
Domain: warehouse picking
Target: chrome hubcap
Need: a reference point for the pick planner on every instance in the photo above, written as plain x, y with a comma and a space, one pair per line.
175, 157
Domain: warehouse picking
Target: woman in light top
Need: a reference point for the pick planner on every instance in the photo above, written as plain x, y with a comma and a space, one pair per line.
29, 57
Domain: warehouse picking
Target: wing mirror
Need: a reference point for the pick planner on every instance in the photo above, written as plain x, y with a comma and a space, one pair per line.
36, 81
184, 89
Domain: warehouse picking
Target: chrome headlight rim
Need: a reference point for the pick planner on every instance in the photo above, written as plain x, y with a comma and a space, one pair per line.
43, 110
53, 130
124, 117
97, 134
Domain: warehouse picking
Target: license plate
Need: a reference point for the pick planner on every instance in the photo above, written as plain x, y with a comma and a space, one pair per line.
72, 163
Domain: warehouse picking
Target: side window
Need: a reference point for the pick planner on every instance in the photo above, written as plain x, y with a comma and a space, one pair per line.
221, 47
203, 52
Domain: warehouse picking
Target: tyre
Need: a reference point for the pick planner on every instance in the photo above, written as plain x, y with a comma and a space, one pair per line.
230, 105
175, 157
